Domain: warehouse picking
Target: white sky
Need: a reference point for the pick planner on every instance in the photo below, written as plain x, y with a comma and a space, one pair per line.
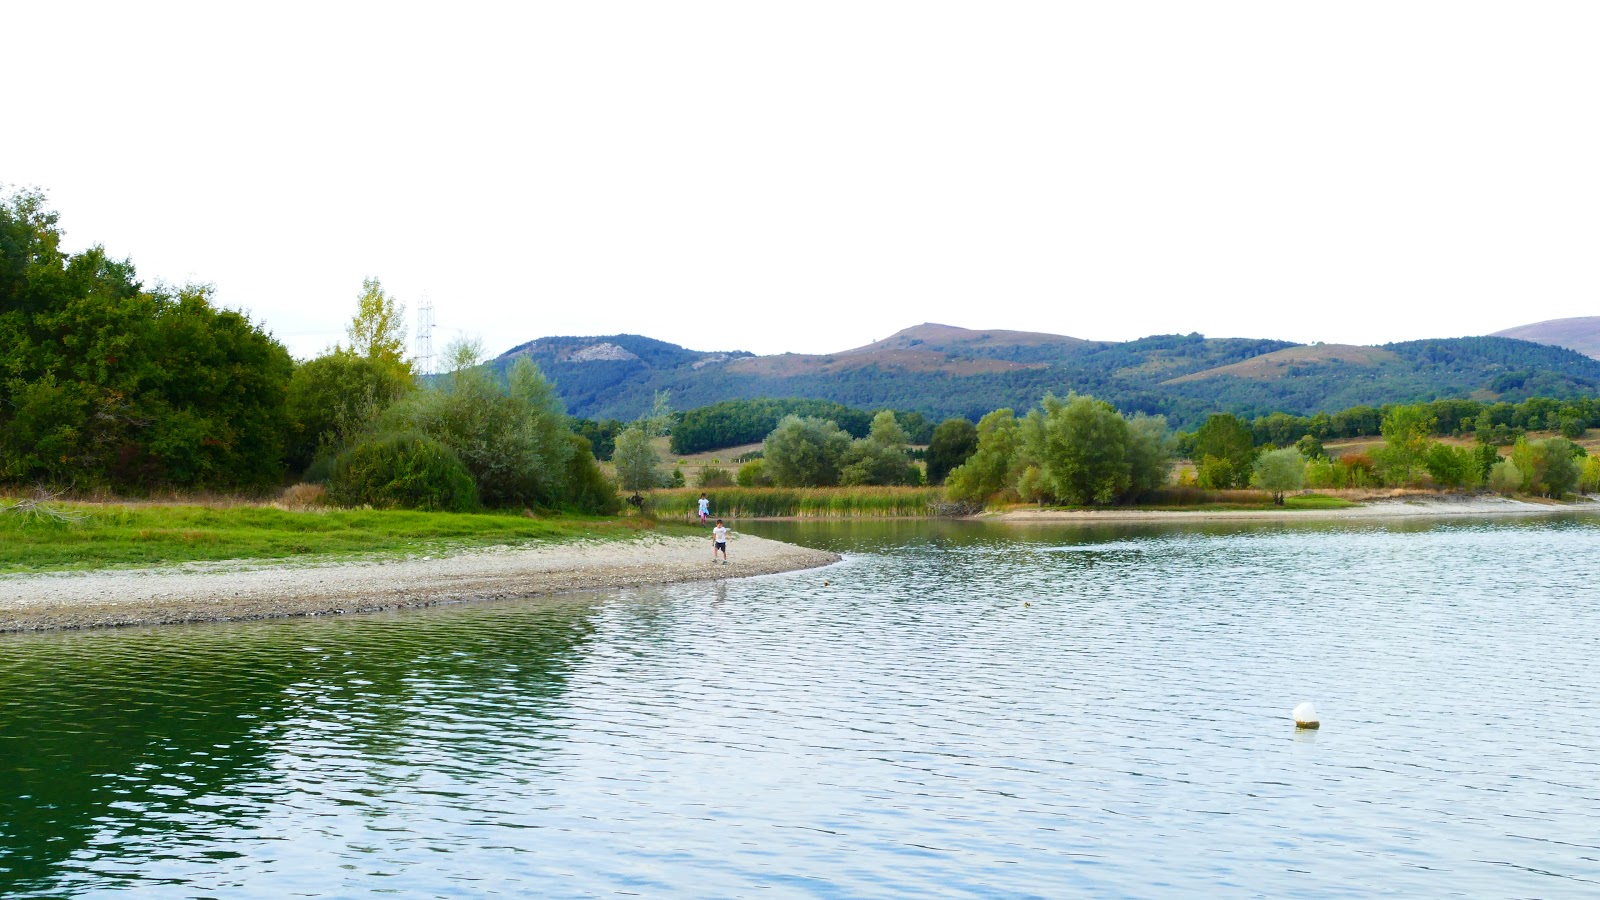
814, 176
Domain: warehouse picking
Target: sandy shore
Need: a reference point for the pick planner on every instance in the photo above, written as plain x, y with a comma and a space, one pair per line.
215, 592
1418, 508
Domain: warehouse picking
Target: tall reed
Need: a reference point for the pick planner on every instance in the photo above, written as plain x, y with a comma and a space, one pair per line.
822, 503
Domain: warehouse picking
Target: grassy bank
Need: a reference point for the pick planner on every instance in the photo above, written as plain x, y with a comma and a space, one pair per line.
820, 503
109, 536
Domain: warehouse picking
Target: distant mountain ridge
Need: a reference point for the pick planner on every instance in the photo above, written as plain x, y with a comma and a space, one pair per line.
944, 370
1581, 334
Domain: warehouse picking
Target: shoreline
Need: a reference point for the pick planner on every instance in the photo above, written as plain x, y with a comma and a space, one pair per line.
245, 590
1413, 508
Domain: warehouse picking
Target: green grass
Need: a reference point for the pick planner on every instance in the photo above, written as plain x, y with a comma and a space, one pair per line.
822, 503
114, 536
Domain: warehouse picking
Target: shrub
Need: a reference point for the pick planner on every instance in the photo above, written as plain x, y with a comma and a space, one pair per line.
302, 496
713, 477
588, 488
754, 474
1505, 478
404, 469
513, 439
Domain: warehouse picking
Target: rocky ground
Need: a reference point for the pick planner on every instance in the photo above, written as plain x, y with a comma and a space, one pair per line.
256, 590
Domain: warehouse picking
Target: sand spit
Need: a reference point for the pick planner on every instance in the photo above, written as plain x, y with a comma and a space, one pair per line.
217, 592
1407, 508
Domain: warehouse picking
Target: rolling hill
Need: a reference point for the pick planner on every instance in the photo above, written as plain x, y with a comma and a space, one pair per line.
942, 370
1581, 334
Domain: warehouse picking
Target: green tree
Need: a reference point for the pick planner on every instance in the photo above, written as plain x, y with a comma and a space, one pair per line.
953, 442
637, 463
805, 452
880, 457
1311, 448
104, 383
1279, 471
335, 397
1453, 467
1150, 447
1549, 467
377, 331
513, 438
1406, 435
1224, 452
1505, 478
991, 468
1081, 445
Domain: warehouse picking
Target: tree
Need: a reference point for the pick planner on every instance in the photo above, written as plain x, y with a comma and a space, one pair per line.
1549, 467
1406, 431
637, 463
804, 452
104, 383
954, 440
880, 457
1505, 478
1150, 447
1279, 471
513, 438
1224, 452
990, 468
335, 397
1081, 445
1311, 448
378, 329
1453, 467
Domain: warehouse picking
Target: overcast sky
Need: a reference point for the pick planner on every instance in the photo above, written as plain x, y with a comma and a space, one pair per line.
814, 176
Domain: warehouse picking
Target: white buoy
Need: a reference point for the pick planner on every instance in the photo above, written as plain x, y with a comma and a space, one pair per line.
1305, 716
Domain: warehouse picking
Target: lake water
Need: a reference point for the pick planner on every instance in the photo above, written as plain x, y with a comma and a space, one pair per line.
956, 709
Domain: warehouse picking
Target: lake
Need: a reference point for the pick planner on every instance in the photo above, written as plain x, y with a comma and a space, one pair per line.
956, 709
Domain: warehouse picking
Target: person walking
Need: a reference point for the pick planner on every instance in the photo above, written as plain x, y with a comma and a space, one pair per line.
705, 508
719, 542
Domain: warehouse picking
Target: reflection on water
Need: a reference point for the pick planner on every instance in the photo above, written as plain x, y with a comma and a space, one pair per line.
956, 708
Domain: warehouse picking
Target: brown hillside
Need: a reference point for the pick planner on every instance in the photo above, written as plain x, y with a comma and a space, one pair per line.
1581, 334
786, 365
947, 338
1277, 365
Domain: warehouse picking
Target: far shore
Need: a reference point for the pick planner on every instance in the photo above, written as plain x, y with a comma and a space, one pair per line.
1414, 507
242, 590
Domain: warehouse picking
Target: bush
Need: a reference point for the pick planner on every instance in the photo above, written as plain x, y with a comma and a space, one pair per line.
1589, 477
513, 439
713, 477
754, 474
588, 488
406, 470
1505, 478
302, 496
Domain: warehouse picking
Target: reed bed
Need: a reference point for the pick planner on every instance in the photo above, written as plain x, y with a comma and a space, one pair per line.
817, 503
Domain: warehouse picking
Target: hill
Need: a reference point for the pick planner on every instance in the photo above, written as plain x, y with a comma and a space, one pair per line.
941, 370
1581, 334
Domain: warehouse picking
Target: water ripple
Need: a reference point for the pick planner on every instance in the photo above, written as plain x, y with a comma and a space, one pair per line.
954, 710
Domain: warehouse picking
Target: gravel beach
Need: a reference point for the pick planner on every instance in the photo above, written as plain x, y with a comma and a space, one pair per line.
231, 591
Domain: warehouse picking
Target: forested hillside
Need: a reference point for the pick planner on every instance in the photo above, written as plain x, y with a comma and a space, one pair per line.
942, 371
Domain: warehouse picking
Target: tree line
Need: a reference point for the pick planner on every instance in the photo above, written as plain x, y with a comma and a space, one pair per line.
106, 384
